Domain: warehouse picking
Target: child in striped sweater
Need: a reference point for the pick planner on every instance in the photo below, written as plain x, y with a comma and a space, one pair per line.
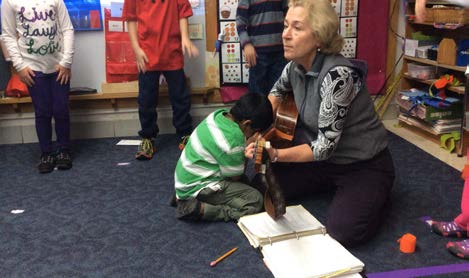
208, 174
260, 24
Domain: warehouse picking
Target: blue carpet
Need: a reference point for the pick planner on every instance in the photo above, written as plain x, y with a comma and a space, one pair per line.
100, 219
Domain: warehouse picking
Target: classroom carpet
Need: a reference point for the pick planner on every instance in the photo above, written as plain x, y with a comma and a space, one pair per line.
109, 216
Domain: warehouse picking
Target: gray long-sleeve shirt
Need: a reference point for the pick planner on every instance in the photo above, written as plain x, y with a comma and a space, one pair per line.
335, 109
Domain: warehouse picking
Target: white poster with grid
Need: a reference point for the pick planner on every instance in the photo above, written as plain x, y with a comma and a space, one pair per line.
347, 10
232, 69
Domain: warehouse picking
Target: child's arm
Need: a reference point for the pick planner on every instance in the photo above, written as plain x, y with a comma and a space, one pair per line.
140, 56
10, 42
187, 45
420, 10
64, 67
129, 14
250, 54
242, 23
9, 37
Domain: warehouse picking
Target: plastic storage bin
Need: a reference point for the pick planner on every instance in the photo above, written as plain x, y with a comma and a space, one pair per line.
421, 71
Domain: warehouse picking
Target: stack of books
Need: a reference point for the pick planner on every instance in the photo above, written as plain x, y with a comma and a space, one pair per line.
432, 114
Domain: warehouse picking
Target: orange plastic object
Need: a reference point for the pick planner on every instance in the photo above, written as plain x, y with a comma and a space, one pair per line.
407, 243
465, 172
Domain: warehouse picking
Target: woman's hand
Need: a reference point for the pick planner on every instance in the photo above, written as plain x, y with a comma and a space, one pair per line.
420, 11
273, 154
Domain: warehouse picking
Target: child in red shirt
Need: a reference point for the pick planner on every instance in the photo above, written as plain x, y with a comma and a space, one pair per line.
158, 32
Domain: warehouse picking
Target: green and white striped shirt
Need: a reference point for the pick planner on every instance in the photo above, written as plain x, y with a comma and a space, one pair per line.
214, 152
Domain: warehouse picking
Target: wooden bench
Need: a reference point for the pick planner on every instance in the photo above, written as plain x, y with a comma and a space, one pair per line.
115, 99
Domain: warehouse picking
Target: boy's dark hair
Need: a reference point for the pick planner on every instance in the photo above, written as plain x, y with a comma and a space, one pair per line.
254, 107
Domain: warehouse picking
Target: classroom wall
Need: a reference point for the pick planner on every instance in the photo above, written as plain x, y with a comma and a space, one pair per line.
88, 69
372, 41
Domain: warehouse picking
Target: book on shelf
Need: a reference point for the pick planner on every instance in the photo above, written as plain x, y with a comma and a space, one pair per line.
436, 127
297, 245
412, 103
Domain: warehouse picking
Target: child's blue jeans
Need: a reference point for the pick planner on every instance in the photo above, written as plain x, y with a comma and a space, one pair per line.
179, 97
269, 67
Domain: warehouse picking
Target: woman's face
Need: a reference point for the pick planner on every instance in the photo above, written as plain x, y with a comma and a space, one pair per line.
299, 42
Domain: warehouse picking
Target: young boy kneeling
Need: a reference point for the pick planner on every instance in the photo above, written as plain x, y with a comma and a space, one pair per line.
207, 176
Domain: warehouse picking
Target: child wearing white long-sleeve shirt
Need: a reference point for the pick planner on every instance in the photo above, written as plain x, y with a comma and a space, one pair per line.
39, 38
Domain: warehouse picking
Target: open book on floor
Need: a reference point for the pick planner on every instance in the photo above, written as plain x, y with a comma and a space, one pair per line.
297, 245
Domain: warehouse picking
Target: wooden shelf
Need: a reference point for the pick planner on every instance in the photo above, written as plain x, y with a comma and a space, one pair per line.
205, 95
408, 82
457, 89
434, 63
417, 126
435, 25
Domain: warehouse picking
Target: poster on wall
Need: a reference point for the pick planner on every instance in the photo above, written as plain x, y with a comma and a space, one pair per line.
84, 14
232, 69
347, 10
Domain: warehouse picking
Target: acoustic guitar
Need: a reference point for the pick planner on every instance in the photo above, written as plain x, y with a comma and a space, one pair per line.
280, 135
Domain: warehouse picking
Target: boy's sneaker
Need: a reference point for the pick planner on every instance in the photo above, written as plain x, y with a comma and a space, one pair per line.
448, 229
63, 159
459, 249
145, 150
183, 142
189, 209
46, 164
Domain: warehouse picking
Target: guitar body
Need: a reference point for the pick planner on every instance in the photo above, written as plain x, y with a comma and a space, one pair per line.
280, 136
283, 129
285, 119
